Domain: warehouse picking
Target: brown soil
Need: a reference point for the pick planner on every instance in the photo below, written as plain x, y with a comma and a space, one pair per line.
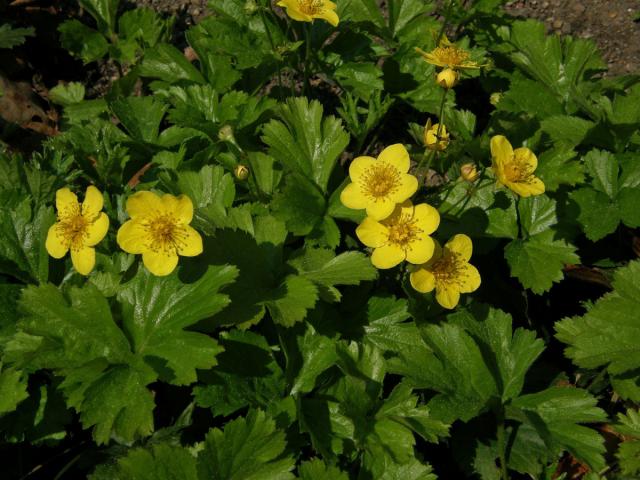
612, 24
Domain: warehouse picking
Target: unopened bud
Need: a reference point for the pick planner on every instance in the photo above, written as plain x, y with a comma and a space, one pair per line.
495, 98
469, 172
435, 136
250, 7
447, 78
226, 134
241, 172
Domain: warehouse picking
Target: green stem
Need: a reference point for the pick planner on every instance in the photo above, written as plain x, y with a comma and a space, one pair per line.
431, 154
502, 447
273, 48
444, 22
307, 56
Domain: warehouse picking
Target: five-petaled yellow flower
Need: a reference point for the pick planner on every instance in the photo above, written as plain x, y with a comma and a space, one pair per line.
159, 230
448, 271
449, 56
308, 10
404, 235
514, 168
434, 140
79, 228
378, 185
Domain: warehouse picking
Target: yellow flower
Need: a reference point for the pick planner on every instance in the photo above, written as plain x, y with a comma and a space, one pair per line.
432, 140
447, 78
378, 185
448, 271
159, 230
514, 168
79, 228
469, 172
241, 172
308, 10
404, 235
449, 55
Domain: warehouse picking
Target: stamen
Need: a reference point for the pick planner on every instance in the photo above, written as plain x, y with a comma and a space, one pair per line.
452, 56
448, 268
403, 231
164, 233
380, 180
311, 7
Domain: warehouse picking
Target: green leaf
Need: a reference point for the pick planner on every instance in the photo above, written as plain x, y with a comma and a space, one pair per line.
607, 336
361, 11
247, 374
556, 414
13, 385
10, 37
538, 262
157, 310
82, 42
566, 131
362, 78
598, 216
628, 453
509, 354
557, 167
249, 448
537, 214
69, 94
144, 25
158, 462
603, 169
316, 469
289, 303
23, 241
299, 204
168, 64
141, 116
318, 354
304, 142
103, 12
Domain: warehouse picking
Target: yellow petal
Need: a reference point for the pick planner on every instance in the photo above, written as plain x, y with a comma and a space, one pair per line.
405, 209
462, 245
501, 148
408, 186
372, 233
420, 251
381, 208
293, 10
524, 156
143, 203
422, 280
469, 279
533, 187
190, 242
97, 230
447, 296
181, 205
132, 237
160, 263
352, 197
66, 203
427, 218
83, 259
397, 156
329, 15
93, 203
55, 244
387, 256
360, 165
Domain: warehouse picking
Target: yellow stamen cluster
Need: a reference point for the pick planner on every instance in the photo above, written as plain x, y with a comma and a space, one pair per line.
311, 7
380, 180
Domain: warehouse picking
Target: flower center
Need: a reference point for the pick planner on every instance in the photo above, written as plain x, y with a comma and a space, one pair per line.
380, 180
311, 7
447, 268
72, 229
451, 56
164, 233
517, 172
403, 231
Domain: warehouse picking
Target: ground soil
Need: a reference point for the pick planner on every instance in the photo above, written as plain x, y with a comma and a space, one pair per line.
612, 24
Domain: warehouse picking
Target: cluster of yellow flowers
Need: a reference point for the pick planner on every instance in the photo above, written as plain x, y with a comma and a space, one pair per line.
158, 229
397, 230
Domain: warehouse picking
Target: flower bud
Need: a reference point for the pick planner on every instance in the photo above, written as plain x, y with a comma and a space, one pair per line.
495, 98
433, 139
250, 7
447, 78
469, 172
241, 172
225, 134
